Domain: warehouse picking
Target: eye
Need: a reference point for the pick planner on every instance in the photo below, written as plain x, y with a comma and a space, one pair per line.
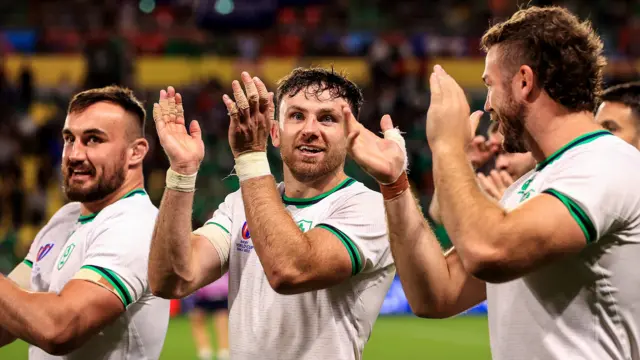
297, 116
67, 139
94, 140
327, 118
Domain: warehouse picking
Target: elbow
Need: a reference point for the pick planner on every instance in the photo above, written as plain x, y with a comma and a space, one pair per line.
432, 311
166, 292
56, 341
487, 264
286, 281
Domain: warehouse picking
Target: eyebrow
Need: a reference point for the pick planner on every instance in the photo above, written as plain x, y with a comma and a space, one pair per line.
321, 110
92, 131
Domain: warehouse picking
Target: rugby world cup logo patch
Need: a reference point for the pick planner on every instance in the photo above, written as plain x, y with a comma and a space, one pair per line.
244, 244
245, 231
44, 251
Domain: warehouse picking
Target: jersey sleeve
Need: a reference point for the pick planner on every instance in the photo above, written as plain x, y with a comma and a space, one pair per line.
598, 194
360, 224
217, 229
117, 257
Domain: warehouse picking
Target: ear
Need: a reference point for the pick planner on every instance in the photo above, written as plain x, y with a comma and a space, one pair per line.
138, 151
275, 133
525, 81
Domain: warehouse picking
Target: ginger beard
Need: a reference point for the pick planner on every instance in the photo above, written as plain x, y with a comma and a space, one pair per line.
510, 118
92, 186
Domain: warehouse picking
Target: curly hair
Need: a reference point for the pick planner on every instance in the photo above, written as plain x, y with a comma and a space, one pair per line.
120, 96
319, 80
564, 53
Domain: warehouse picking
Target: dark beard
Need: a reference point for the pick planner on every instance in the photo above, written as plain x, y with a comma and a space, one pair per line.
104, 187
512, 121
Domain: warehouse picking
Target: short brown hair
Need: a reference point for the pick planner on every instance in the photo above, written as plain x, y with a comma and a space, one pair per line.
564, 53
336, 83
121, 96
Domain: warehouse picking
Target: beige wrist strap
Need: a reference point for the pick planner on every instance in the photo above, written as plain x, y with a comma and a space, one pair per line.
179, 182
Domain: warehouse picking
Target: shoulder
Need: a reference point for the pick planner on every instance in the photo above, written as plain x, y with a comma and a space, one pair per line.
358, 196
69, 213
134, 216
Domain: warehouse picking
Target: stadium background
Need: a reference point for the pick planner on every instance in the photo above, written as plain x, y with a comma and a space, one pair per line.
51, 49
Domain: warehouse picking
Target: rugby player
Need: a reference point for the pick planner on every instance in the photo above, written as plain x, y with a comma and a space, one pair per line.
619, 112
308, 259
82, 291
558, 266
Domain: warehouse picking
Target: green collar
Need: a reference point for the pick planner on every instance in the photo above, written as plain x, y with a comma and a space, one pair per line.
580, 140
304, 202
83, 219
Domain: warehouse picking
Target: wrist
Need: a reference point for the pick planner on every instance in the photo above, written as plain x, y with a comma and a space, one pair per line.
181, 182
395, 189
184, 169
252, 164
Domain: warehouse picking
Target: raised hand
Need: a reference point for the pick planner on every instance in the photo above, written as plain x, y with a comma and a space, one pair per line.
448, 121
250, 115
496, 183
185, 150
381, 158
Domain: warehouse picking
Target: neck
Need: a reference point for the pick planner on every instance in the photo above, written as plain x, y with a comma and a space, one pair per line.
299, 189
547, 132
93, 207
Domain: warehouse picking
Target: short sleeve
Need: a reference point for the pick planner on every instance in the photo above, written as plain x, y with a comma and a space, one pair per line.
360, 223
598, 194
222, 217
117, 257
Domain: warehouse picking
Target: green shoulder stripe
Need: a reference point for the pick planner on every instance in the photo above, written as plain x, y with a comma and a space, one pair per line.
115, 281
29, 263
578, 215
218, 225
354, 254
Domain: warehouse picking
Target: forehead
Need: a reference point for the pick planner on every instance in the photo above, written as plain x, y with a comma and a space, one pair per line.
492, 64
105, 116
311, 100
615, 111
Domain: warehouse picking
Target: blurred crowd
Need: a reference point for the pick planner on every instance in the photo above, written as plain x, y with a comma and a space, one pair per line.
111, 34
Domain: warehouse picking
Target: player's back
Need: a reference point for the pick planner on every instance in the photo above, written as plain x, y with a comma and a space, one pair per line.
585, 306
332, 323
110, 248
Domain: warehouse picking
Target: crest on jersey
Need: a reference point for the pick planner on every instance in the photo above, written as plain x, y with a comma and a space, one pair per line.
245, 231
44, 251
65, 255
304, 225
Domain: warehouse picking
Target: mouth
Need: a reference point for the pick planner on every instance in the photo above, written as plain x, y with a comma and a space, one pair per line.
309, 150
80, 175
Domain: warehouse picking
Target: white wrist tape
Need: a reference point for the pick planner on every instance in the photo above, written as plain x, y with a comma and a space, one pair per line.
395, 136
251, 165
220, 240
179, 182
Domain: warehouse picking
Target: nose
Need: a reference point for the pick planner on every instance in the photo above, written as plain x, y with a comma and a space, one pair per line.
310, 127
76, 152
487, 104
502, 163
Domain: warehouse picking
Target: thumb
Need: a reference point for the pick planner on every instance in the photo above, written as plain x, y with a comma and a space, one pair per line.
475, 120
386, 123
194, 130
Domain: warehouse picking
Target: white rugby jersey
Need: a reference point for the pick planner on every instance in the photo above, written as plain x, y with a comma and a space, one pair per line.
110, 248
587, 305
332, 323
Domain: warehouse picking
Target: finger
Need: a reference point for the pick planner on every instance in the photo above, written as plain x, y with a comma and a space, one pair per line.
351, 139
171, 91
386, 123
434, 87
252, 92
240, 100
271, 108
507, 180
232, 108
158, 118
164, 103
475, 120
194, 130
179, 108
352, 125
495, 177
171, 97
263, 96
445, 83
488, 186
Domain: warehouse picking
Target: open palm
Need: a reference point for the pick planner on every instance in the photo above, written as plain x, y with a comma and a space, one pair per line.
381, 158
185, 150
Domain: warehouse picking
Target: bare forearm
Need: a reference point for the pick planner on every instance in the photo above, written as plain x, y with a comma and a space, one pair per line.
278, 241
469, 216
32, 317
425, 275
171, 252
